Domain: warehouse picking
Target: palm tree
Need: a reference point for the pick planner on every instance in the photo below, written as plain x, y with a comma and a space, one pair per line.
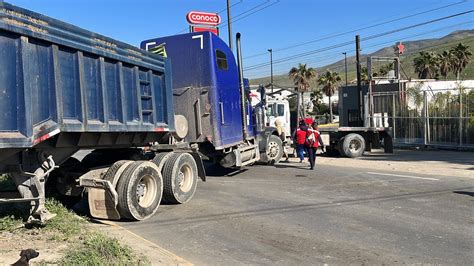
426, 65
302, 77
445, 63
461, 57
329, 82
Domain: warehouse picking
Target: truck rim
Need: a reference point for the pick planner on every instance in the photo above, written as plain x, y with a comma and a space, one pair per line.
354, 145
273, 149
145, 191
184, 179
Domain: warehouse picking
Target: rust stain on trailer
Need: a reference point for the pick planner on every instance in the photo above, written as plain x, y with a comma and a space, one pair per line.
106, 43
19, 15
134, 52
106, 49
22, 24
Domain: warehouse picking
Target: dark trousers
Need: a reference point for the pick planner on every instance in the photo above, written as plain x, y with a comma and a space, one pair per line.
312, 156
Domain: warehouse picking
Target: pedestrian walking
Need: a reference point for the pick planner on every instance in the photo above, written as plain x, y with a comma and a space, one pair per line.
300, 137
312, 142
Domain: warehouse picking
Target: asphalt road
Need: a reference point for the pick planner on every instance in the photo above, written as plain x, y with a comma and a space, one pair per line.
287, 214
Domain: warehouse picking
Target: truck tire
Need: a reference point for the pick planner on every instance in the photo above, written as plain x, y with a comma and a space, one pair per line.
139, 189
274, 149
353, 145
180, 176
115, 171
388, 144
161, 158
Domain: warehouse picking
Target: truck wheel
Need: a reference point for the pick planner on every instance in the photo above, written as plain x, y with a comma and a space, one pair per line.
388, 144
161, 158
139, 190
115, 171
353, 145
179, 178
274, 149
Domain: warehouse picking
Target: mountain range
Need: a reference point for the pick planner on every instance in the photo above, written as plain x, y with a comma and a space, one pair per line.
412, 49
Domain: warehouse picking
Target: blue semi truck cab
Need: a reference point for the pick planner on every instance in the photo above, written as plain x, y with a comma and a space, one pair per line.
212, 99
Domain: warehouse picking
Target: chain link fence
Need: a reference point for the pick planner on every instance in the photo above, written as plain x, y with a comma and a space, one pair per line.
443, 117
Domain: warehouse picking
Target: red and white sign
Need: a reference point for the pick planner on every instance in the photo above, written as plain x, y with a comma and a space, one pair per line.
200, 29
203, 18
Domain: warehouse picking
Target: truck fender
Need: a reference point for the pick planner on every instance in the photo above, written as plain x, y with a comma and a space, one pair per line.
264, 137
200, 165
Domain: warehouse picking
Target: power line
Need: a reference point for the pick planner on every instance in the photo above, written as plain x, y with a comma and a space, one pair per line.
360, 29
331, 55
341, 66
364, 39
405, 37
418, 50
265, 7
234, 18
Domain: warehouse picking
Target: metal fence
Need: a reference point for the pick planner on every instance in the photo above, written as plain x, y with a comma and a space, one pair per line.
427, 117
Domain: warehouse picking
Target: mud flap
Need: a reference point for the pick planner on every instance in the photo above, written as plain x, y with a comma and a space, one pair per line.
102, 197
102, 205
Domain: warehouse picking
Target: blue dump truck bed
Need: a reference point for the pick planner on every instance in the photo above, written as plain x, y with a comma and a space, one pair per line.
64, 86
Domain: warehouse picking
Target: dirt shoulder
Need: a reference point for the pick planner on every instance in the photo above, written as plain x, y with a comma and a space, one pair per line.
66, 239
427, 162
141, 246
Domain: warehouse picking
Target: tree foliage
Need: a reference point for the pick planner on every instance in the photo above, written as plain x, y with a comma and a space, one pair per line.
426, 64
302, 76
329, 82
429, 64
461, 57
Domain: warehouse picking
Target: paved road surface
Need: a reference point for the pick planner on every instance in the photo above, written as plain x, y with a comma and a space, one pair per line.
289, 215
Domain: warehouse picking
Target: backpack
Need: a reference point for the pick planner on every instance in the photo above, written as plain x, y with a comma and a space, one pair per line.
309, 141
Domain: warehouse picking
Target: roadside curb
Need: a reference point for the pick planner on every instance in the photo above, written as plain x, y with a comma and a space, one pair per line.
144, 247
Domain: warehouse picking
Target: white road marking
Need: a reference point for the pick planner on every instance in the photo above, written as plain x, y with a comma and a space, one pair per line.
407, 176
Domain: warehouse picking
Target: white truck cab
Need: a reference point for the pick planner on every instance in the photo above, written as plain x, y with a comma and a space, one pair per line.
277, 107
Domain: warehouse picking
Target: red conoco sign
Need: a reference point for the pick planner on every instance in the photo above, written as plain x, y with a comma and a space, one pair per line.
203, 18
200, 29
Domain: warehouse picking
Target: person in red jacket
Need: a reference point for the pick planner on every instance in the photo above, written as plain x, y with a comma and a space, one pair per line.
300, 137
313, 139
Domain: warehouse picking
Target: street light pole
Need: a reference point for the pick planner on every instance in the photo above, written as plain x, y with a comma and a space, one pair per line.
229, 24
345, 64
271, 67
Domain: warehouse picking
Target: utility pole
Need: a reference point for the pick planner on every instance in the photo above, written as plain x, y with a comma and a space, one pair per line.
229, 24
271, 67
359, 81
345, 64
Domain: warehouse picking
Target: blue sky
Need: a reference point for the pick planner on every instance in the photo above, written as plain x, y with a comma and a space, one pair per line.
278, 24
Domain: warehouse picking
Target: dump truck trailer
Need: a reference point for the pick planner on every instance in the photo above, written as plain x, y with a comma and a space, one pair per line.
64, 89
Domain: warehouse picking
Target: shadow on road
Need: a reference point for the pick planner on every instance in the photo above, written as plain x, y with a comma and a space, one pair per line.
469, 193
215, 170
456, 157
